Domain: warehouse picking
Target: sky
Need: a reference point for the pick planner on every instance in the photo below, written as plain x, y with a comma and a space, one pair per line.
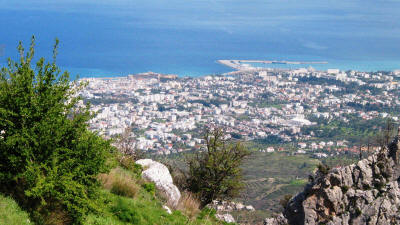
349, 30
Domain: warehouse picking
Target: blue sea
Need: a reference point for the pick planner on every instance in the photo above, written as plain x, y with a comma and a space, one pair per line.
114, 38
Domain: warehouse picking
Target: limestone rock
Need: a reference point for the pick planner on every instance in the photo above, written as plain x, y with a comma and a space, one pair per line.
167, 209
250, 208
364, 193
159, 174
225, 217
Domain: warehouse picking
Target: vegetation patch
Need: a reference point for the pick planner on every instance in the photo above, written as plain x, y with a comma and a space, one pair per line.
11, 213
120, 182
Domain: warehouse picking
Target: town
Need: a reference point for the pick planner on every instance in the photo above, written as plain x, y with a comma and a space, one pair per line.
271, 107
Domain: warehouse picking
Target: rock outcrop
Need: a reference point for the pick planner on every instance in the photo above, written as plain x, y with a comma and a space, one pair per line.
224, 208
228, 206
225, 217
159, 174
364, 193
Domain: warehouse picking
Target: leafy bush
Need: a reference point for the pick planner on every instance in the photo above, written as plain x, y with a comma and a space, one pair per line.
49, 158
150, 187
216, 172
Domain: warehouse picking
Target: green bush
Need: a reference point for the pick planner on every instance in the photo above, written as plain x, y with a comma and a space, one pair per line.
137, 170
216, 173
49, 158
150, 187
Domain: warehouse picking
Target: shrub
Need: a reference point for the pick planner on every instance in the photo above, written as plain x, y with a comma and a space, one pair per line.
323, 169
150, 187
130, 165
49, 158
215, 172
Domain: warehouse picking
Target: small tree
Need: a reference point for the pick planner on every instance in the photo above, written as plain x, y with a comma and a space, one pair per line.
384, 137
49, 160
126, 145
215, 172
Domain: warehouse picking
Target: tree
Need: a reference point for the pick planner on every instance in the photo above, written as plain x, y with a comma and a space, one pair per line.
215, 172
384, 137
49, 160
126, 145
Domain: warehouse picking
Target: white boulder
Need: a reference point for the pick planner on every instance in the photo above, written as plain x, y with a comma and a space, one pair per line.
166, 208
159, 174
225, 217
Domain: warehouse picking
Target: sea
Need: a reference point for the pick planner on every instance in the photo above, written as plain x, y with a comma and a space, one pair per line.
116, 38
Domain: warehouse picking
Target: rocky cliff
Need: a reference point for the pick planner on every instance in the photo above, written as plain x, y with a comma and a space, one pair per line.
364, 193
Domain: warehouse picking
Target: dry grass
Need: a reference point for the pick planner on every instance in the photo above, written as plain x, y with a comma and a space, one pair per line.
120, 183
189, 205
58, 217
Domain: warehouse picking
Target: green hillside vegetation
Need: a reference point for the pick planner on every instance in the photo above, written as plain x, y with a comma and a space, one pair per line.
127, 199
60, 172
143, 207
11, 213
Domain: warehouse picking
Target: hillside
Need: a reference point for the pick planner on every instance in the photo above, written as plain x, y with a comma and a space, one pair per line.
124, 199
364, 193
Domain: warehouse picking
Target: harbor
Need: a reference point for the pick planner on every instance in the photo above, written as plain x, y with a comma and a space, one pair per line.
244, 64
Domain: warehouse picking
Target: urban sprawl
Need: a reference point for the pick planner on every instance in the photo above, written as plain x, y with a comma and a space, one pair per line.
167, 114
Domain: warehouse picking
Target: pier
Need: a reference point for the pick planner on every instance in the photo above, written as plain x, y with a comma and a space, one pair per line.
241, 64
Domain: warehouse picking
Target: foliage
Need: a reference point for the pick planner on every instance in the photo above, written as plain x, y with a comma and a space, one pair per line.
49, 158
129, 164
216, 172
323, 169
125, 212
126, 146
206, 212
144, 209
150, 187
